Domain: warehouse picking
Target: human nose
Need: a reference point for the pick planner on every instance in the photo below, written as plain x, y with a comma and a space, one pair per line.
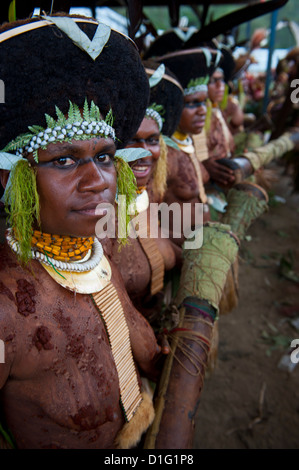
91, 178
202, 109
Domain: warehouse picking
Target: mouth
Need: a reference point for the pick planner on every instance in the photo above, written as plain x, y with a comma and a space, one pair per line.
141, 168
98, 209
199, 123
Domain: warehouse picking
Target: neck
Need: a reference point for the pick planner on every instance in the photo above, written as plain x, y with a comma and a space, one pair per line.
180, 135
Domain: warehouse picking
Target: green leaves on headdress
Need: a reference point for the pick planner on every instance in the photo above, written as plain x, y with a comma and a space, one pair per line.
23, 208
194, 82
64, 129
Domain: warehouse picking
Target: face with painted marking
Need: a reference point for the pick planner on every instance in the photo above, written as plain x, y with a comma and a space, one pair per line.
72, 179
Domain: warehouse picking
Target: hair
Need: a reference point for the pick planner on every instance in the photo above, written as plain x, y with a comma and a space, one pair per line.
189, 64
42, 68
168, 93
227, 64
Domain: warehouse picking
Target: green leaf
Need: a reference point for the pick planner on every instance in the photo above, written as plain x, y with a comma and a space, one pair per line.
71, 29
19, 142
71, 113
35, 156
35, 129
50, 121
132, 154
7, 160
109, 118
61, 119
92, 112
170, 143
157, 76
86, 111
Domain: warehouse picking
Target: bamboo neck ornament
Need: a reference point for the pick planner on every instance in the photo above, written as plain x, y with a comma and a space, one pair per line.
97, 283
111, 311
155, 260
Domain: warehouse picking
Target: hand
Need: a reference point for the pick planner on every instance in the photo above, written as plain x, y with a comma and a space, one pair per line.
219, 173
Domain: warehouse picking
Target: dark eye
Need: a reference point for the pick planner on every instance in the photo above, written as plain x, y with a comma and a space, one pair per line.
106, 159
152, 141
132, 142
64, 162
195, 104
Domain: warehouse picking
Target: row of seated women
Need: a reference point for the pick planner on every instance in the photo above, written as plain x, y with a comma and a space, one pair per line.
88, 315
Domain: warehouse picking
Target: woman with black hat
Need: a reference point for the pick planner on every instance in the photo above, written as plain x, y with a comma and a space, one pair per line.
74, 344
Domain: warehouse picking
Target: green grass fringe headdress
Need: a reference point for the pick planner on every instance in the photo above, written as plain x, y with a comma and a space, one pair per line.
22, 206
126, 186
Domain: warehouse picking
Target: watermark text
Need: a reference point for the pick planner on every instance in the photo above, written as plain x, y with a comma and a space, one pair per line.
295, 353
2, 352
159, 221
2, 92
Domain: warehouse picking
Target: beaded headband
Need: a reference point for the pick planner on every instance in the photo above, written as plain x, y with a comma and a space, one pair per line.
74, 127
154, 112
197, 85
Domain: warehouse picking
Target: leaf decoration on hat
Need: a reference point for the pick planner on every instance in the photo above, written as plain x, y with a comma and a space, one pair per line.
208, 55
157, 76
8, 160
71, 29
170, 143
185, 35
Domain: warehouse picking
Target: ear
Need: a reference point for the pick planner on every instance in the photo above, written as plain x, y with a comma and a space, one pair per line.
4, 174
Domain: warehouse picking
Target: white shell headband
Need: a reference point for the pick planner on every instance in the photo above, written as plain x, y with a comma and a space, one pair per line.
74, 127
152, 113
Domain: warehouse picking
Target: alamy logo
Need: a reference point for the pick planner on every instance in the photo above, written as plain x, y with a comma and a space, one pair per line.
295, 353
2, 92
186, 220
295, 93
2, 353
